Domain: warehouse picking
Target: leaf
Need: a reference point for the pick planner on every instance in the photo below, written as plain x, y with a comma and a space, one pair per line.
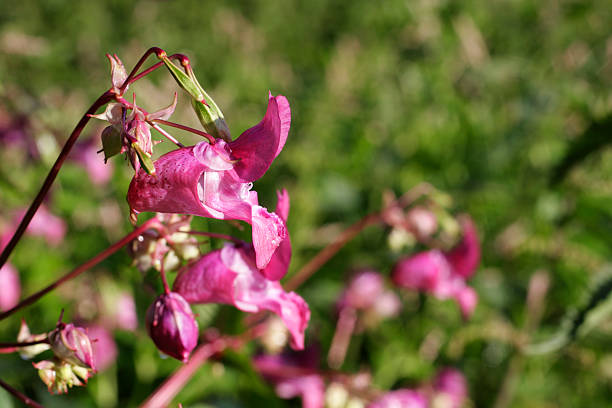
111, 142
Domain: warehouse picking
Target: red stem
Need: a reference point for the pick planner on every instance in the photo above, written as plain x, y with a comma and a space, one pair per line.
158, 51
24, 343
102, 100
165, 393
80, 269
210, 138
22, 397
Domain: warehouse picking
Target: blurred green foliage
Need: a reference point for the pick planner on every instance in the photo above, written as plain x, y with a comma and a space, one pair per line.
504, 104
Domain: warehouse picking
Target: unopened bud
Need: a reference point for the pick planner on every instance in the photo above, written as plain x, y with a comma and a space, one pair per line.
71, 344
172, 326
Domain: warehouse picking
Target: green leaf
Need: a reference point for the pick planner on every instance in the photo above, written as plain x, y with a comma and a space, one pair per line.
145, 159
111, 142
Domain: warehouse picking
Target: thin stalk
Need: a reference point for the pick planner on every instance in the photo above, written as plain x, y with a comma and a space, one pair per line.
141, 61
167, 135
101, 101
162, 273
23, 343
210, 138
80, 269
149, 70
22, 397
166, 392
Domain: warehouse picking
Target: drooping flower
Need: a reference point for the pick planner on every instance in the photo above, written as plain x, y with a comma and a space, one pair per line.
215, 180
404, 398
443, 274
172, 326
230, 275
294, 375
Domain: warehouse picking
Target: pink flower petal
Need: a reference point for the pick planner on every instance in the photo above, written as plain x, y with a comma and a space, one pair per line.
465, 257
258, 146
10, 287
279, 263
230, 276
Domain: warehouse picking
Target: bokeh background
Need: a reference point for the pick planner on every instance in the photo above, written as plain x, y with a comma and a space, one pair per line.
506, 105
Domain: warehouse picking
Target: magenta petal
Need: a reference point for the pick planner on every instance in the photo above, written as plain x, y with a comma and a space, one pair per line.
465, 257
403, 398
452, 383
174, 189
279, 263
422, 271
230, 276
467, 298
257, 147
269, 232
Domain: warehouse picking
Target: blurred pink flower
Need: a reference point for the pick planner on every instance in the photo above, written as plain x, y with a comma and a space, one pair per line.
450, 388
125, 314
86, 154
230, 275
11, 287
103, 346
172, 326
294, 375
43, 224
444, 274
403, 398
214, 180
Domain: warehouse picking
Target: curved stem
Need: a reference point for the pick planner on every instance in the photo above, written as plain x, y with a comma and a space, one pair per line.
210, 138
131, 77
82, 268
22, 397
167, 135
102, 100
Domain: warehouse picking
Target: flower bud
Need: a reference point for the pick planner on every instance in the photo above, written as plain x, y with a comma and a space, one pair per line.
71, 344
172, 326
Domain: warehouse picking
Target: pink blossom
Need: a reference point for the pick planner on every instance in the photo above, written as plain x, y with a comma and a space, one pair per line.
444, 274
125, 313
103, 346
363, 290
11, 287
172, 326
465, 257
294, 375
403, 398
451, 388
43, 224
230, 275
214, 180
279, 262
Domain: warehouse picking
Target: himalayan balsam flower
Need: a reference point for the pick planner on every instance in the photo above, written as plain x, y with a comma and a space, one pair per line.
58, 376
444, 274
230, 275
215, 180
403, 398
172, 326
366, 292
450, 389
294, 375
72, 345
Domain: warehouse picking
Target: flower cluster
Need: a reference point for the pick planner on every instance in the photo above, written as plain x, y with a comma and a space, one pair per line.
444, 273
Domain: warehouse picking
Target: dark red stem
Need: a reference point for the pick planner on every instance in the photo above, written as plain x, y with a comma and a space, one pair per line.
23, 343
101, 101
81, 268
210, 138
22, 397
153, 50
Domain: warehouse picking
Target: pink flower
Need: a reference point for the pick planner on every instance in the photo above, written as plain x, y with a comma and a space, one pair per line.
125, 314
444, 274
465, 257
403, 398
450, 387
103, 346
294, 375
72, 345
43, 224
214, 180
230, 275
172, 326
11, 287
279, 262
